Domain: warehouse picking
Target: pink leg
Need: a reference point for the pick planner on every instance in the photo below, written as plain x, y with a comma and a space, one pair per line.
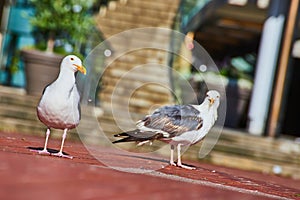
172, 156
179, 164
60, 153
44, 151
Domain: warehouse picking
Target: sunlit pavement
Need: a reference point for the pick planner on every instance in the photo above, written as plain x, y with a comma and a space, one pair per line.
26, 175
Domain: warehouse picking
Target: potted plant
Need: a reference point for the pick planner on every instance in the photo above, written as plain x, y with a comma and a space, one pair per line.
60, 27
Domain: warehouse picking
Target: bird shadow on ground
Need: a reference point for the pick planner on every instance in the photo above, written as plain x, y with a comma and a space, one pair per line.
154, 159
48, 149
146, 158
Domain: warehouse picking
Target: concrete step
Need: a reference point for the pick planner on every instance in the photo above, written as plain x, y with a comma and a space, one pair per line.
233, 149
138, 7
127, 25
18, 99
147, 17
125, 15
18, 114
17, 111
163, 6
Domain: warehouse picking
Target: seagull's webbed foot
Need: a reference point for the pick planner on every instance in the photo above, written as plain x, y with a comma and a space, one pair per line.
60, 154
185, 166
179, 163
41, 152
172, 163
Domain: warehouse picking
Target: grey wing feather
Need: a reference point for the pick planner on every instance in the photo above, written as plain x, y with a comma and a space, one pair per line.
137, 135
46, 88
79, 99
174, 120
76, 99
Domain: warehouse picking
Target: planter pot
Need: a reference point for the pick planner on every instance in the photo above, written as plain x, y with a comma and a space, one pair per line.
41, 68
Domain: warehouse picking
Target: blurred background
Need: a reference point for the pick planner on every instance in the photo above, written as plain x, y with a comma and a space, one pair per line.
254, 43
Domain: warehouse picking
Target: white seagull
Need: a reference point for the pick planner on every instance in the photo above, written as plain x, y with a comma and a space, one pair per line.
178, 125
59, 106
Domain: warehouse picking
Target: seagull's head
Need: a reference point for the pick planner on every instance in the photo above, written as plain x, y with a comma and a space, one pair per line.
73, 63
213, 98
212, 101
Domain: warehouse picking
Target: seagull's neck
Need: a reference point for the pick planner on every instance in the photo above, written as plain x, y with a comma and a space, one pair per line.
66, 78
207, 109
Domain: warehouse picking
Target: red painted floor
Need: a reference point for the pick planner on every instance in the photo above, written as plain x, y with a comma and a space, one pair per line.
26, 175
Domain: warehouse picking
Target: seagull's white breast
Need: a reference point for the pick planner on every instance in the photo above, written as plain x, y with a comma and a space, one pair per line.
59, 109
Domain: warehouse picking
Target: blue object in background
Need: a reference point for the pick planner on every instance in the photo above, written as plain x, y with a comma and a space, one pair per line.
18, 20
17, 36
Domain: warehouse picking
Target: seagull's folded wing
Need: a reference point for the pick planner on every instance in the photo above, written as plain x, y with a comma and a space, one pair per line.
173, 120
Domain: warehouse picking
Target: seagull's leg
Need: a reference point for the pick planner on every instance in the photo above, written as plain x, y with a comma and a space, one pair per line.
60, 153
44, 151
172, 156
179, 164
142, 143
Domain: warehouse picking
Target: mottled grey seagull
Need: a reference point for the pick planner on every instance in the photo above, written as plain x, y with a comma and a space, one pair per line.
59, 106
178, 125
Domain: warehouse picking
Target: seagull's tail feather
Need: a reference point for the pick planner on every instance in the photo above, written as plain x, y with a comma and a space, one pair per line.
137, 136
121, 134
127, 139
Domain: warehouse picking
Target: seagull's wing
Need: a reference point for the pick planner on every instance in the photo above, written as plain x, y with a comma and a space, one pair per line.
44, 90
173, 120
137, 136
74, 94
165, 122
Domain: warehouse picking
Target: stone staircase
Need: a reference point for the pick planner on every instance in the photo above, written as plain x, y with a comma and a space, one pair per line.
139, 78
18, 114
123, 15
236, 149
17, 111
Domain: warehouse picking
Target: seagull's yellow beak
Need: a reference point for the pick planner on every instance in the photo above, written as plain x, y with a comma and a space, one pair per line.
211, 101
80, 68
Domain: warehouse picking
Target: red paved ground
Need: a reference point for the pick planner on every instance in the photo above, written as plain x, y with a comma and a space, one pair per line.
25, 175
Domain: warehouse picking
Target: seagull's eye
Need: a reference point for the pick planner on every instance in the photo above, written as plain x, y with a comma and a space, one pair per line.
72, 59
